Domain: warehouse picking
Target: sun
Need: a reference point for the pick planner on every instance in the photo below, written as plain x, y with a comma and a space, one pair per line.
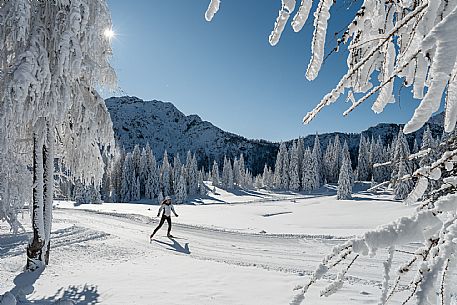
109, 33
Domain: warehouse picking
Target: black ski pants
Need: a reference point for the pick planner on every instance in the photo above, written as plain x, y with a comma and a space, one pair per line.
162, 220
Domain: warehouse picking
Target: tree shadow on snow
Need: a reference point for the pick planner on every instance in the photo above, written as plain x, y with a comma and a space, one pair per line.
73, 295
77, 295
175, 246
12, 244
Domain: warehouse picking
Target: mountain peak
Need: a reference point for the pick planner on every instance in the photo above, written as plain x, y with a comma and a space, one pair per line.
164, 127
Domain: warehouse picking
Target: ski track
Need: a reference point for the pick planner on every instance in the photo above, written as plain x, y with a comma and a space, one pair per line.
299, 254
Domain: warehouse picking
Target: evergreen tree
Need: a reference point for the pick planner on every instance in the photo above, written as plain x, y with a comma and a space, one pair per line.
165, 176
258, 183
317, 151
345, 155
363, 160
152, 182
309, 172
344, 179
379, 155
248, 179
281, 174
85, 194
401, 167
116, 177
215, 174
401, 152
176, 169
236, 173
135, 187
202, 190
337, 157
181, 189
427, 142
227, 174
136, 156
145, 170
128, 178
242, 168
294, 168
267, 178
402, 186
192, 176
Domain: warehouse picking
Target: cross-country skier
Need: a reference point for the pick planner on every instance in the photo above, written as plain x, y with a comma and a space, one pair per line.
167, 208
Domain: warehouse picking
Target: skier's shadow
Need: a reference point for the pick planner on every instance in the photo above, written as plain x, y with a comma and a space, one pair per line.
175, 246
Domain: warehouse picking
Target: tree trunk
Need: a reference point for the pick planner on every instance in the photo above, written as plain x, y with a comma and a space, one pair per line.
43, 172
48, 193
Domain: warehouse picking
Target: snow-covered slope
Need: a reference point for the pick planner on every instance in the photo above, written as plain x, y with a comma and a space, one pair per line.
163, 126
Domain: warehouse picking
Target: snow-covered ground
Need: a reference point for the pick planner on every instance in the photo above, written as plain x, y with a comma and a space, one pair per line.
101, 253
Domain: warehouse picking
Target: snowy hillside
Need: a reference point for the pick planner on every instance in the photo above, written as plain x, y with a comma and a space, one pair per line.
163, 126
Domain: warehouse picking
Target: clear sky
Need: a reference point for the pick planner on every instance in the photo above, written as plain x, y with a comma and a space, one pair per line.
226, 72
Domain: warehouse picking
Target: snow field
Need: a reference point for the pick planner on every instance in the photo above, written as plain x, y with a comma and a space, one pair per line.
101, 253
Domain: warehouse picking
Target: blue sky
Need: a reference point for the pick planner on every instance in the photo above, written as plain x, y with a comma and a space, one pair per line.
226, 72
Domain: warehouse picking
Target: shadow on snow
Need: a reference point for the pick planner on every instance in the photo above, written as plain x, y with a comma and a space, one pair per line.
73, 295
175, 246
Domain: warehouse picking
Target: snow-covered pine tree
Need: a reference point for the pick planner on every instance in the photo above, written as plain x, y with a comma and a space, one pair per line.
116, 175
258, 182
248, 179
202, 189
177, 164
278, 171
192, 176
415, 150
85, 194
181, 189
332, 160
128, 179
236, 173
363, 160
427, 142
294, 168
136, 156
227, 174
301, 151
136, 188
267, 178
371, 148
345, 154
309, 171
336, 158
152, 188
242, 167
215, 174
402, 187
345, 176
224, 177
165, 176
317, 151
401, 153
285, 175
144, 175
378, 156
